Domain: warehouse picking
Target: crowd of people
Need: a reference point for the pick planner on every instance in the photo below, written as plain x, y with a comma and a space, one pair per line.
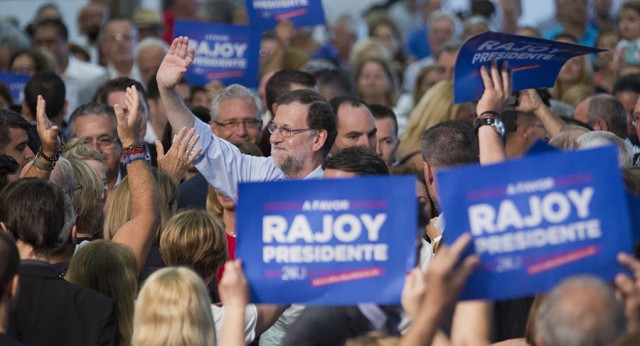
119, 179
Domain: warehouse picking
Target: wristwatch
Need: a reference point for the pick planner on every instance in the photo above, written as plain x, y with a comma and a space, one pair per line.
44, 166
495, 122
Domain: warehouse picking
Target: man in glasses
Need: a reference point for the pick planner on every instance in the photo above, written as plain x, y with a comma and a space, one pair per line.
235, 115
302, 132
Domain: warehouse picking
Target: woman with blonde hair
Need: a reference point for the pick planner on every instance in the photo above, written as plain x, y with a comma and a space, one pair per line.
173, 308
109, 268
90, 194
435, 106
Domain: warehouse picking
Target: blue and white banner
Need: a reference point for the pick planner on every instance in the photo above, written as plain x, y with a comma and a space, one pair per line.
265, 14
227, 53
538, 220
327, 242
15, 82
535, 62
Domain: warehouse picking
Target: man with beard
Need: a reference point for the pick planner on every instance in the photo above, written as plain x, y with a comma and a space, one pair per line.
302, 132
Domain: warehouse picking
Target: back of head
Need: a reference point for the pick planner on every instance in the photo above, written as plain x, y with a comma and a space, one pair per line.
581, 311
173, 308
9, 262
196, 239
321, 115
359, 160
52, 89
109, 268
280, 83
33, 212
608, 107
118, 84
449, 144
594, 139
88, 197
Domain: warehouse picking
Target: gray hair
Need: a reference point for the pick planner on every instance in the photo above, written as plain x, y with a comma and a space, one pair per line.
609, 108
582, 310
92, 108
151, 42
63, 176
440, 14
235, 91
594, 139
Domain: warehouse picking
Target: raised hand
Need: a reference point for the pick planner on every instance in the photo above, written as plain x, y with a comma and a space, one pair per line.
175, 63
129, 123
233, 287
47, 132
413, 292
180, 156
628, 290
497, 89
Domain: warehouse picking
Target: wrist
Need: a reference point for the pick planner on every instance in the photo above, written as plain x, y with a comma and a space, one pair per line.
489, 114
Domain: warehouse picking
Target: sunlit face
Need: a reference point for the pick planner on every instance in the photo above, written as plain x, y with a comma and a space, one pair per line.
238, 110
97, 127
609, 42
356, 128
18, 149
291, 154
440, 32
386, 139
373, 80
629, 24
571, 71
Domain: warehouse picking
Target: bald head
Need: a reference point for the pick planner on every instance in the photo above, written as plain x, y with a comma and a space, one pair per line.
603, 112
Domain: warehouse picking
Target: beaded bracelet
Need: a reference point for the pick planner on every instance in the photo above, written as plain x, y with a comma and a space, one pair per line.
132, 149
133, 157
44, 156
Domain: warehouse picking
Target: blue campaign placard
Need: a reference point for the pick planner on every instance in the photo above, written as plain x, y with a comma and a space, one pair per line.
537, 220
535, 62
15, 82
227, 53
327, 242
265, 14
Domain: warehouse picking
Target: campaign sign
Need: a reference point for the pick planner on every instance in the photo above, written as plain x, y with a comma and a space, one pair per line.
327, 242
535, 62
15, 82
538, 220
265, 14
227, 53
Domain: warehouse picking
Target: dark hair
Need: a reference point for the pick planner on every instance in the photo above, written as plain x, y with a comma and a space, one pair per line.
336, 102
5, 93
10, 119
52, 89
8, 166
118, 84
92, 108
450, 143
383, 112
627, 83
9, 261
57, 24
335, 80
358, 160
40, 60
33, 211
320, 117
280, 84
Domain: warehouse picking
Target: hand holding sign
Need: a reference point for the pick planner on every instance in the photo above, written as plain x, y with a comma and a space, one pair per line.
497, 88
175, 63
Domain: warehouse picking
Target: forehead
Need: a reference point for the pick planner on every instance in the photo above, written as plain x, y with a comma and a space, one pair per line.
17, 135
373, 66
116, 97
236, 108
45, 31
331, 173
385, 127
350, 117
93, 126
119, 27
293, 115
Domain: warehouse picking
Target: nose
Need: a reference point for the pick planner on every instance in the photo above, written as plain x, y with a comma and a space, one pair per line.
376, 147
28, 154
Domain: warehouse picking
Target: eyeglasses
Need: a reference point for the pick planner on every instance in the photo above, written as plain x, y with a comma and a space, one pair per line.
234, 124
284, 132
104, 142
635, 118
119, 37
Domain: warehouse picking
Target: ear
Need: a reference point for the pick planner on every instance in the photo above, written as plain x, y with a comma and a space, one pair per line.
601, 125
539, 341
275, 109
319, 139
428, 173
